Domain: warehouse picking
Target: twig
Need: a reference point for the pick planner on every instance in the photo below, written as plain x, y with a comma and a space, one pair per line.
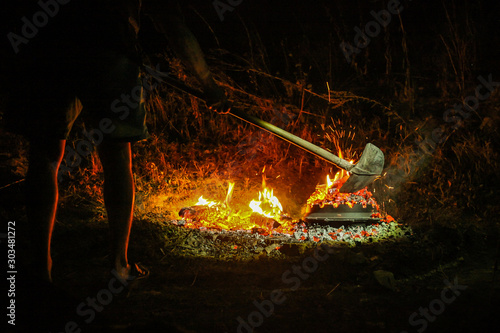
16, 182
192, 284
442, 271
206, 23
331, 291
348, 96
181, 240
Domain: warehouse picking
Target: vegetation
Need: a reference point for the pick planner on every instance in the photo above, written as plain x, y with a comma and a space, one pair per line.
302, 83
440, 178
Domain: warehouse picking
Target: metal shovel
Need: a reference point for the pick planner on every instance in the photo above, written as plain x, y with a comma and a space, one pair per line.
368, 168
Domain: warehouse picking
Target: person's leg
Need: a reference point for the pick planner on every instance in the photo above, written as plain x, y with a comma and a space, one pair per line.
112, 75
116, 159
41, 200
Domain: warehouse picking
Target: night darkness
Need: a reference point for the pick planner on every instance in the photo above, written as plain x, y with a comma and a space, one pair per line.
418, 79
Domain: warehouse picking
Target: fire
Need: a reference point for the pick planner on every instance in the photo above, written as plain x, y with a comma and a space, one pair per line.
339, 175
268, 205
265, 214
229, 193
328, 194
331, 187
203, 202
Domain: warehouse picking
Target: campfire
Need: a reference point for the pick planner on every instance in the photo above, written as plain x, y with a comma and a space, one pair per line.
264, 215
327, 204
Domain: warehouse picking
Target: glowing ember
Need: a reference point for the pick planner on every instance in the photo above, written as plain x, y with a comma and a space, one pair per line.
330, 189
328, 194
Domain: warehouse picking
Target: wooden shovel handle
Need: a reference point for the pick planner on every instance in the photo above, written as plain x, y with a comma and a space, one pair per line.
299, 142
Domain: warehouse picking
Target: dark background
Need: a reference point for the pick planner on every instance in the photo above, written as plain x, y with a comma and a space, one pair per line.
403, 82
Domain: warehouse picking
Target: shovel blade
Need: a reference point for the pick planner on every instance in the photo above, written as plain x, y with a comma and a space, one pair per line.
355, 183
368, 168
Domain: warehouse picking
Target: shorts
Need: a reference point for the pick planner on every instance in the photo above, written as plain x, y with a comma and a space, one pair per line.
49, 94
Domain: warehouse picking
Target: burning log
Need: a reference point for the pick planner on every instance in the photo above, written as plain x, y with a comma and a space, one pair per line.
196, 212
205, 216
189, 213
265, 215
264, 223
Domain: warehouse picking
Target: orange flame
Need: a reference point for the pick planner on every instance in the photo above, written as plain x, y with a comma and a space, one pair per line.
268, 205
219, 215
331, 187
329, 193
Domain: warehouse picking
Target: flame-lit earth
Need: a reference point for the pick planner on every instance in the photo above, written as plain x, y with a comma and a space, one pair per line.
265, 214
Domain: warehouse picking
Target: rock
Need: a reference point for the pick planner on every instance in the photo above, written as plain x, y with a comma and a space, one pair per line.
258, 249
271, 248
386, 279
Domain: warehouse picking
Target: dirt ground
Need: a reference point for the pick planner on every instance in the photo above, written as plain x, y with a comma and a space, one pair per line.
285, 290
282, 61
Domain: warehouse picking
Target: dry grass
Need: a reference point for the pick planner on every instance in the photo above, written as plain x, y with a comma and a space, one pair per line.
195, 152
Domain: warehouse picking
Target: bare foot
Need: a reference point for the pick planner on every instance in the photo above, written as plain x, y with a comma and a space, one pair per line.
132, 272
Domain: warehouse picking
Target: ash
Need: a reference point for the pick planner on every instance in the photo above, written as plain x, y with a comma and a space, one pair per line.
352, 234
